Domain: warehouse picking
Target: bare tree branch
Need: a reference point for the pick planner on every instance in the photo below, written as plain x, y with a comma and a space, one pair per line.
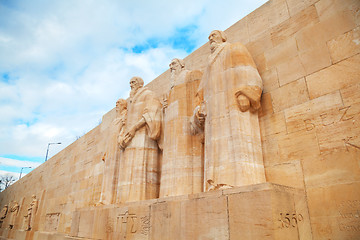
6, 181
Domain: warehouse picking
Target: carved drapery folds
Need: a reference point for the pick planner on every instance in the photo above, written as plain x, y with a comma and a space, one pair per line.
3, 214
181, 170
31, 212
14, 211
139, 176
230, 91
113, 155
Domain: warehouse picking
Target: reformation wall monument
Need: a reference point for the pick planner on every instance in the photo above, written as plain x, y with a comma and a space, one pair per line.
255, 135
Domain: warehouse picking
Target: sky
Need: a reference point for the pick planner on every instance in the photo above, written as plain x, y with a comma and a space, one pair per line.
64, 63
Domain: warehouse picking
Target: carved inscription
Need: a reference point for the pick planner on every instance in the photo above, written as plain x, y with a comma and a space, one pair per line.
339, 115
289, 220
129, 220
308, 125
145, 225
328, 119
349, 220
109, 225
132, 224
348, 144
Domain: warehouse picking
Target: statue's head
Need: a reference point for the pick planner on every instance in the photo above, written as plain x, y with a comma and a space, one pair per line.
216, 37
121, 104
136, 83
176, 65
33, 196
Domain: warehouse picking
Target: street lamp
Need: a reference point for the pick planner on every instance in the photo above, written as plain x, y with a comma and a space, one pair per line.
21, 171
47, 151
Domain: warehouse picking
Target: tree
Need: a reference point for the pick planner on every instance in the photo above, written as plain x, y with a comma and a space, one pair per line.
6, 181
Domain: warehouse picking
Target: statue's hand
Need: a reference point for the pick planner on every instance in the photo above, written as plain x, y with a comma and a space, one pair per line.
244, 103
131, 133
121, 141
165, 103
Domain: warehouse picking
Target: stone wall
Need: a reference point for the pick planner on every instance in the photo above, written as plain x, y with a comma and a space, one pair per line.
307, 52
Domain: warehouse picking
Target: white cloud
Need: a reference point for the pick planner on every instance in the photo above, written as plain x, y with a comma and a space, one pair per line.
14, 174
18, 163
69, 61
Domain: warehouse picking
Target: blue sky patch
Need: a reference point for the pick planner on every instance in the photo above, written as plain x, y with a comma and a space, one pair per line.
8, 77
27, 122
5, 77
181, 39
25, 158
56, 69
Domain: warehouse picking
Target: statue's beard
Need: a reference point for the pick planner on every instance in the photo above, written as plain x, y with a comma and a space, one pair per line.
133, 92
213, 46
119, 110
172, 79
173, 75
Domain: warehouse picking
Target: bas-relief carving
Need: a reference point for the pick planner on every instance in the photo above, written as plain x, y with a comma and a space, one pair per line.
3, 214
139, 176
181, 170
348, 218
230, 93
31, 211
112, 155
51, 222
14, 210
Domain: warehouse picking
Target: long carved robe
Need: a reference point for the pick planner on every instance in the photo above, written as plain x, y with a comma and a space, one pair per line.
233, 154
139, 166
3, 213
181, 171
31, 213
112, 158
14, 210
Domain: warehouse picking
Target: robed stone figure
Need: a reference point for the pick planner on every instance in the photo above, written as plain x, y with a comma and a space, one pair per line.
230, 93
14, 210
182, 168
112, 154
31, 211
3, 214
139, 176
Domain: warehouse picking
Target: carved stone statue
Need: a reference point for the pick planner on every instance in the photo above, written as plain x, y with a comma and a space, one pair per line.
181, 171
14, 210
112, 155
3, 214
230, 93
31, 211
139, 177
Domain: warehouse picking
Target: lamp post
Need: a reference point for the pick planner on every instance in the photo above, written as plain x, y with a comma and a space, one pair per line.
47, 151
21, 171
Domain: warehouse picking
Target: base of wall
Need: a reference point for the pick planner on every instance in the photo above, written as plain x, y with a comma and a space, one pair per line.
261, 211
